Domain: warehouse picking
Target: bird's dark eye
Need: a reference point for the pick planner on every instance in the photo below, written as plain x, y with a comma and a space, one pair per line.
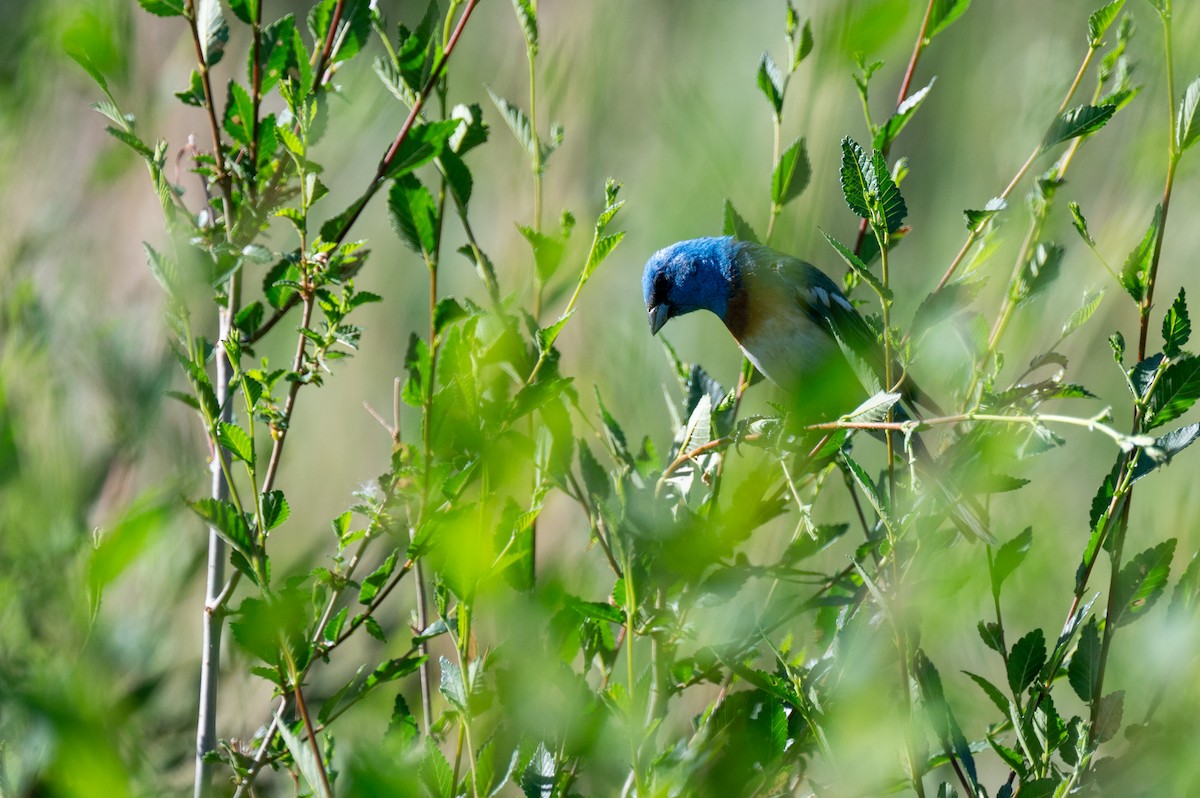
661, 289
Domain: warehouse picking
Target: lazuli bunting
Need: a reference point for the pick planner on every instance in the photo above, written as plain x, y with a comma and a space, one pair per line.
789, 318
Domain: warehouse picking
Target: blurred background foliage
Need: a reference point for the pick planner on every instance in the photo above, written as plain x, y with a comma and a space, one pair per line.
98, 698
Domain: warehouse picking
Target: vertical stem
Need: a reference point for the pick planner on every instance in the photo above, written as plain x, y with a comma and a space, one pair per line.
210, 652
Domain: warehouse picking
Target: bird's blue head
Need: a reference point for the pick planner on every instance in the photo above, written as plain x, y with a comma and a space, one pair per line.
699, 274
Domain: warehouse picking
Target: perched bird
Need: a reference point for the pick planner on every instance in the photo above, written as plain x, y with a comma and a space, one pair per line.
789, 318
792, 322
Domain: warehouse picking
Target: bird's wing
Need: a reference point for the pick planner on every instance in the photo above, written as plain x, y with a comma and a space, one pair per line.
822, 301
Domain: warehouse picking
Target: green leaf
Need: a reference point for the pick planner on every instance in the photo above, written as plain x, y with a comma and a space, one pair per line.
943, 14
889, 130
1040, 271
1176, 326
805, 45
275, 509
277, 53
423, 143
517, 122
1080, 224
1080, 121
1084, 669
1186, 597
447, 311
868, 188
417, 363
853, 178
227, 521
1008, 558
1091, 303
977, 219
992, 692
451, 684
770, 81
736, 226
860, 268
992, 635
245, 10
548, 251
540, 774
546, 336
372, 584
236, 441
1177, 390
239, 113
163, 8
1142, 581
792, 173
413, 213
1108, 716
354, 26
302, 755
601, 249
1187, 123
1099, 21
1135, 273
1026, 660
527, 16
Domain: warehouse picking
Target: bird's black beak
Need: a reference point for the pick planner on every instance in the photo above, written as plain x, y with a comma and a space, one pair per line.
658, 317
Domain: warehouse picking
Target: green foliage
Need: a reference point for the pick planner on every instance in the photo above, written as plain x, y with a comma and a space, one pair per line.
590, 574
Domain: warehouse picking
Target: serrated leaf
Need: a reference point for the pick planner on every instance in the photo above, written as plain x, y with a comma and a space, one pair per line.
244, 10
1008, 558
1177, 390
1109, 715
944, 13
236, 441
527, 16
423, 143
372, 584
163, 8
275, 509
1187, 591
546, 336
1142, 581
1176, 326
1187, 123
734, 225
1091, 302
890, 129
1080, 224
1135, 273
1040, 271
992, 635
860, 268
229, 523
991, 691
770, 82
302, 755
977, 219
451, 684
1026, 660
447, 311
601, 249
413, 213
853, 178
517, 122
1084, 669
540, 774
1080, 121
792, 173
1100, 19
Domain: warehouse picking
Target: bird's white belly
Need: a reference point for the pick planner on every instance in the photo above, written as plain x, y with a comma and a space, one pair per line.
789, 350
